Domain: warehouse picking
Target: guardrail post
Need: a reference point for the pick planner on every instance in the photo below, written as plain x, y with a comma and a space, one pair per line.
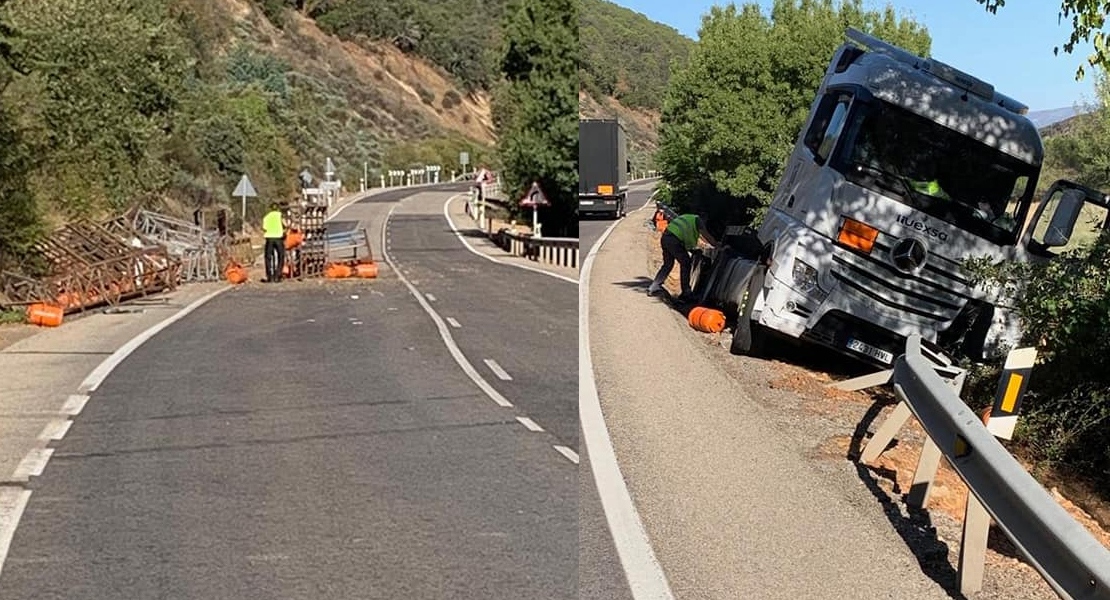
973, 545
929, 461
886, 432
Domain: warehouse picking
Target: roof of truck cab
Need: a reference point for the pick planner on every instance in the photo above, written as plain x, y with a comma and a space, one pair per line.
945, 104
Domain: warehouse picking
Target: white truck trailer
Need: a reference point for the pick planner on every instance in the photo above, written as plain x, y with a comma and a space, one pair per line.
905, 167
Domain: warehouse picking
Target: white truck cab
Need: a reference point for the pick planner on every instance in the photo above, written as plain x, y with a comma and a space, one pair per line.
905, 168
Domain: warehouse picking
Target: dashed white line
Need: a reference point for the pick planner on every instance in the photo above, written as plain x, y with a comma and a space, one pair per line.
444, 332
13, 501
430, 297
74, 404
453, 323
529, 423
55, 430
497, 370
32, 464
571, 455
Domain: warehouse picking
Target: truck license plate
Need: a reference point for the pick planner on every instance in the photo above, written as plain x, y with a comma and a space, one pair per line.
877, 353
587, 202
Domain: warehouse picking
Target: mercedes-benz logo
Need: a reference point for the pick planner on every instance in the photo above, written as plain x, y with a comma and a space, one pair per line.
909, 255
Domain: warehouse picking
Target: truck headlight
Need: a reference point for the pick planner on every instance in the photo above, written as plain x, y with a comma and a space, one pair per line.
805, 276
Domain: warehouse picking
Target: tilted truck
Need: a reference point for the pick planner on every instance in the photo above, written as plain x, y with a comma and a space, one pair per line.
904, 168
602, 167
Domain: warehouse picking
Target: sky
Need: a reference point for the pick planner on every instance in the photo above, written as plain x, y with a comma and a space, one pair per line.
1011, 49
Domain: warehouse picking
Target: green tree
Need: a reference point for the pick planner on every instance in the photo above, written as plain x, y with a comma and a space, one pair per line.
1088, 18
536, 109
731, 116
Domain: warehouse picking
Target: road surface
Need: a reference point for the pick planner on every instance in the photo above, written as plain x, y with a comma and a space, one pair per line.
320, 440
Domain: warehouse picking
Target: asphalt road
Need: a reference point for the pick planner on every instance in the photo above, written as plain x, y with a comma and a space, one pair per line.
319, 441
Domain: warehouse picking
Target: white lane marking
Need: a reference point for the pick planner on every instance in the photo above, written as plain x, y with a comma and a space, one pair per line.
497, 370
75, 404
13, 501
454, 323
374, 192
102, 370
430, 297
32, 464
646, 578
458, 234
444, 333
529, 423
572, 456
55, 430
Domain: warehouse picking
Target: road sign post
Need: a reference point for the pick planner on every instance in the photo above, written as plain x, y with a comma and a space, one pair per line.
243, 190
535, 198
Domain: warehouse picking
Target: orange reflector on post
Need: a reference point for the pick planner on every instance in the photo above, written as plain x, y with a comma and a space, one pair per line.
855, 234
605, 189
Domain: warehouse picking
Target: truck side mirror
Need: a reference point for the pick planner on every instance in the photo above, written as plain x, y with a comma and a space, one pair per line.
1064, 219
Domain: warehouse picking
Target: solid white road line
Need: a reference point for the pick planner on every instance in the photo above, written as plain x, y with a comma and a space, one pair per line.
458, 234
497, 370
529, 423
646, 578
55, 430
454, 323
13, 501
102, 370
430, 297
75, 404
444, 333
571, 455
32, 464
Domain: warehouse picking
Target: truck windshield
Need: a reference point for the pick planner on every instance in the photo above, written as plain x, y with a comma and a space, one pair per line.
939, 171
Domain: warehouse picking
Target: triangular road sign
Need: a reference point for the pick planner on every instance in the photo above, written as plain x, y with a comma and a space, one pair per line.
244, 188
535, 197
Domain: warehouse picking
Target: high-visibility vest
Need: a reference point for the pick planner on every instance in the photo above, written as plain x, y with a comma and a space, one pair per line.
685, 228
272, 226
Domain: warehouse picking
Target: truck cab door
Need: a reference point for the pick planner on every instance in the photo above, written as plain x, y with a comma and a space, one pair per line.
1070, 217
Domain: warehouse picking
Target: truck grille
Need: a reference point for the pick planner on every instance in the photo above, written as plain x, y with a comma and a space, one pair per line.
936, 294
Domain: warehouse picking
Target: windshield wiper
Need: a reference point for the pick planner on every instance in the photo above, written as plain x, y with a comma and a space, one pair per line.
903, 188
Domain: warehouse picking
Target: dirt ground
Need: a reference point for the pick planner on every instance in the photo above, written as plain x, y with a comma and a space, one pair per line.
833, 425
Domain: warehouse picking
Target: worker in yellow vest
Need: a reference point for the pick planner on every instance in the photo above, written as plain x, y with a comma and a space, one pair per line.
680, 237
273, 229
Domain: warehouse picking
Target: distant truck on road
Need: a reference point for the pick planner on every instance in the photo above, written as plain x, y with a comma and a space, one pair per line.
905, 167
603, 167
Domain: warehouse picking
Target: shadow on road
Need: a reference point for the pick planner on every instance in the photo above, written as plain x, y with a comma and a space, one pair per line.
916, 526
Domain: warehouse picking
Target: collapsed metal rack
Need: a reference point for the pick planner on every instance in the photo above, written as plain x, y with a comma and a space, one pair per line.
310, 257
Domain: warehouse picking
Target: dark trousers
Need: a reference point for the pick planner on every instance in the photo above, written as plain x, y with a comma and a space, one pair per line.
275, 258
674, 249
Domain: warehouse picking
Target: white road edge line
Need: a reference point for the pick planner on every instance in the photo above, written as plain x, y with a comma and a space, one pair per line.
13, 501
571, 455
458, 234
55, 430
454, 323
444, 333
502, 374
75, 403
529, 423
646, 578
102, 370
33, 464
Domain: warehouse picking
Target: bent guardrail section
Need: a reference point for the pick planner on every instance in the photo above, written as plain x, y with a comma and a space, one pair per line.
1066, 555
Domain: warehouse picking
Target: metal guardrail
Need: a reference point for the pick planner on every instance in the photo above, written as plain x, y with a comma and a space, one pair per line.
561, 252
348, 245
1066, 555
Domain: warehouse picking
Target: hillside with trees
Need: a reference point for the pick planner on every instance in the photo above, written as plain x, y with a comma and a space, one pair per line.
624, 71
111, 103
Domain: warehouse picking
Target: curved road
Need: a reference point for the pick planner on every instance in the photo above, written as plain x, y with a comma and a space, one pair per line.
319, 440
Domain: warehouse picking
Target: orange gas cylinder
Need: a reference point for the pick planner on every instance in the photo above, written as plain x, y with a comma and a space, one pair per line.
368, 270
337, 271
293, 239
46, 315
235, 274
707, 319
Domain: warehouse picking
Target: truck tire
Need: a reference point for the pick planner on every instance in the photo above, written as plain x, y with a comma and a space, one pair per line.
748, 338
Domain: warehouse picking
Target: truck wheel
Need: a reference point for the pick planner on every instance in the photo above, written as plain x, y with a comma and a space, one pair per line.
748, 338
